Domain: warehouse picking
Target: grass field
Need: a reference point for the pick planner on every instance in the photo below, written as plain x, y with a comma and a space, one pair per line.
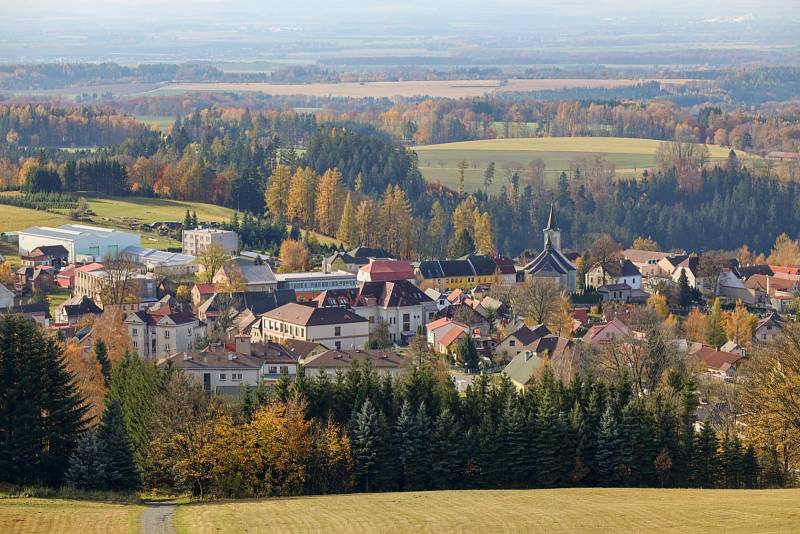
441, 89
439, 163
563, 510
156, 122
65, 516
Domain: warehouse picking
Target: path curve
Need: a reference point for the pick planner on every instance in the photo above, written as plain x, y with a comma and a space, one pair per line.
157, 517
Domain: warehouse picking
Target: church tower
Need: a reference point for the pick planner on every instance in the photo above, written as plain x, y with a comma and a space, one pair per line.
552, 235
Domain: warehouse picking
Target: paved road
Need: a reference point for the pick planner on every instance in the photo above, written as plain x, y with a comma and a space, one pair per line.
157, 517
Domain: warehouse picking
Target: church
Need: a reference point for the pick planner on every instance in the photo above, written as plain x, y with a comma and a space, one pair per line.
551, 264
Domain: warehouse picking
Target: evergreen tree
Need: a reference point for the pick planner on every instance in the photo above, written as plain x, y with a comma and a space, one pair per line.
407, 445
194, 219
731, 463
516, 447
461, 244
366, 440
715, 328
705, 463
41, 412
101, 353
121, 471
283, 389
468, 354
684, 292
187, 221
88, 466
608, 455
135, 384
347, 224
447, 452
488, 175
750, 468
549, 439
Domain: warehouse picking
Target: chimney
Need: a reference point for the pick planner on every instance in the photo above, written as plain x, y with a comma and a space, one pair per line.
186, 356
768, 285
243, 345
231, 356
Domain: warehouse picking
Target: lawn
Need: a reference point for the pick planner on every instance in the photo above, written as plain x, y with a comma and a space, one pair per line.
13, 219
562, 510
65, 516
150, 210
439, 163
156, 122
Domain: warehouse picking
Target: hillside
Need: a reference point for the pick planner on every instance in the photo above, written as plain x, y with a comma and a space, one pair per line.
560, 510
439, 163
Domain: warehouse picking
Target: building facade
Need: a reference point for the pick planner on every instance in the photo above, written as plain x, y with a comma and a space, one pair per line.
336, 328
195, 242
82, 242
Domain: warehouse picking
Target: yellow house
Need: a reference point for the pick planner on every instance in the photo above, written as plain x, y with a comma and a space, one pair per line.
463, 273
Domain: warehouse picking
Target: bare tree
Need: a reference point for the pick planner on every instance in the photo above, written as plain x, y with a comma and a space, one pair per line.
211, 259
120, 284
537, 300
606, 253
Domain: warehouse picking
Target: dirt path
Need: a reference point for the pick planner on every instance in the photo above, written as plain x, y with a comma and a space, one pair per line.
157, 518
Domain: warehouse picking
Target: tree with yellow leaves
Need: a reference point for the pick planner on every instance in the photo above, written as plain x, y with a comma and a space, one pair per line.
347, 231
277, 193
740, 325
464, 216
695, 326
300, 204
367, 213
560, 320
210, 259
6, 274
328, 206
659, 303
484, 241
294, 256
645, 243
396, 224
770, 404
785, 252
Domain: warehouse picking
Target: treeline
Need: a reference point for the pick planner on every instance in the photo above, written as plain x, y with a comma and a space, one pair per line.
45, 125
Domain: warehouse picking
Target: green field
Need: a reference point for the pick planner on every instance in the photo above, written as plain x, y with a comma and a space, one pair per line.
156, 122
64, 516
562, 510
439, 163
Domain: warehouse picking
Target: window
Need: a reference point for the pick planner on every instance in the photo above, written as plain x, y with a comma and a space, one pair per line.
236, 376
338, 345
166, 334
222, 377
337, 331
135, 332
284, 369
273, 369
512, 343
135, 344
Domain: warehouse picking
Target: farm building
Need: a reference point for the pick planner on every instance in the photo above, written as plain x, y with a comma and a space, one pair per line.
83, 242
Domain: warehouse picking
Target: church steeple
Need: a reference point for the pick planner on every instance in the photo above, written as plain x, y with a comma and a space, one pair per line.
552, 235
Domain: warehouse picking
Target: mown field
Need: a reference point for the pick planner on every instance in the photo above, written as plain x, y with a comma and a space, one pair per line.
56, 516
439, 163
561, 510
439, 89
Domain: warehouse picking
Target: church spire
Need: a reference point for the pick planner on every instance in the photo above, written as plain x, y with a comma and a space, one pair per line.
551, 219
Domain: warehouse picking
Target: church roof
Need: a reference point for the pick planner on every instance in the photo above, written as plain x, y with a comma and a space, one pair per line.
550, 261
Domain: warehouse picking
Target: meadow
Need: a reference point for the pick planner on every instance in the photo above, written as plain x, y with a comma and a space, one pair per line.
439, 163
558, 510
433, 88
33, 515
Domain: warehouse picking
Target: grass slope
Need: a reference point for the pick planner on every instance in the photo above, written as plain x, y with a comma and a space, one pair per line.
439, 163
562, 510
56, 516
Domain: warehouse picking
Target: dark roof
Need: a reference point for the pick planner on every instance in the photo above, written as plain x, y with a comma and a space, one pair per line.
456, 268
273, 353
343, 359
26, 309
450, 312
749, 270
549, 260
369, 252
54, 251
392, 294
527, 335
482, 265
84, 307
258, 302
337, 297
614, 287
555, 346
773, 319
300, 347
629, 269
504, 265
152, 319
308, 316
431, 269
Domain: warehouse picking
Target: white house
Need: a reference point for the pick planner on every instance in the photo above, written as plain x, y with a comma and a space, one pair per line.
332, 361
161, 262
217, 370
156, 334
197, 241
88, 243
627, 273
6, 297
333, 327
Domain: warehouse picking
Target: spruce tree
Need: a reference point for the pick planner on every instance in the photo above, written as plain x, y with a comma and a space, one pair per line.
187, 221
731, 462
112, 433
365, 437
420, 472
547, 446
608, 450
750, 468
194, 219
407, 444
101, 353
468, 354
88, 466
705, 462
41, 412
447, 452
516, 447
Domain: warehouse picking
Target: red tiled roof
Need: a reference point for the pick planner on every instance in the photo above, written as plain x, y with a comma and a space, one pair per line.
438, 323
775, 282
716, 358
388, 270
205, 289
454, 296
451, 335
89, 267
582, 315
786, 269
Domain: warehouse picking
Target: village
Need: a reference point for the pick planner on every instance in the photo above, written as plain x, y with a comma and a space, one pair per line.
227, 319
